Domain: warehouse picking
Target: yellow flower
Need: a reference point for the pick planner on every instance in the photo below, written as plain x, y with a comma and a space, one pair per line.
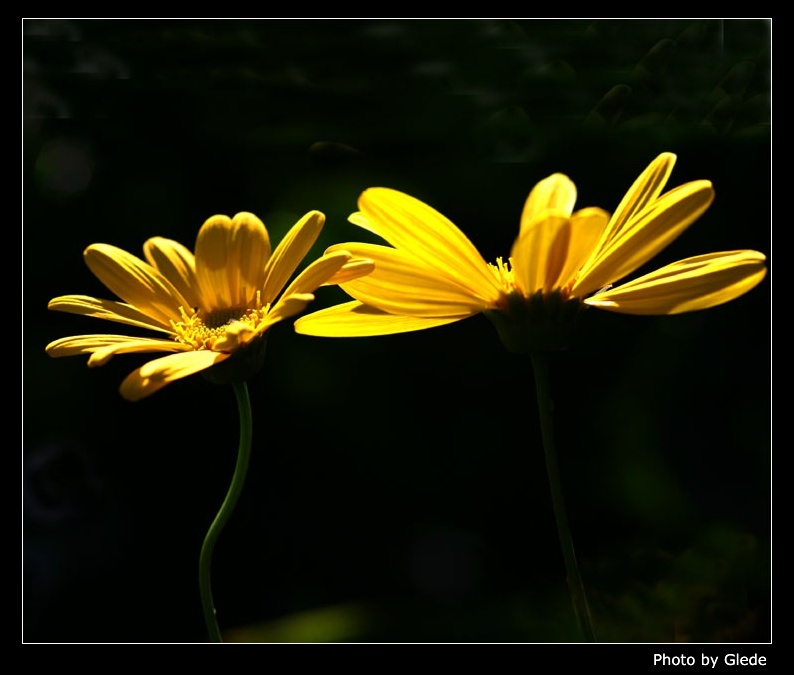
210, 308
433, 275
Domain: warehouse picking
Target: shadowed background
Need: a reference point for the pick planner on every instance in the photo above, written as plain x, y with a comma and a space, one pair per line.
397, 490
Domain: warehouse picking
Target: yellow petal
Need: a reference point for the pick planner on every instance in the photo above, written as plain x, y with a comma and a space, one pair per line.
354, 319
586, 228
286, 307
177, 264
557, 193
106, 309
153, 376
135, 282
687, 285
363, 222
235, 336
645, 235
301, 291
399, 284
539, 253
102, 347
644, 191
290, 253
231, 255
355, 268
422, 232
318, 272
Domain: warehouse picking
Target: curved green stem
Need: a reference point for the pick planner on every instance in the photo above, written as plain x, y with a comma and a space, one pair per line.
243, 455
540, 365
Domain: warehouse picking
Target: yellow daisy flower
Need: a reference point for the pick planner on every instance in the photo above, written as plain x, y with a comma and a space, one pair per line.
433, 275
212, 307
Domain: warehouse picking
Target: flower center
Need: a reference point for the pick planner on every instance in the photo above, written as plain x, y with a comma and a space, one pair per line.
221, 317
208, 330
505, 275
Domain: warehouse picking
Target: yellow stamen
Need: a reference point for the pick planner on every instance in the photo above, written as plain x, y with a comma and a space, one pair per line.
503, 272
204, 330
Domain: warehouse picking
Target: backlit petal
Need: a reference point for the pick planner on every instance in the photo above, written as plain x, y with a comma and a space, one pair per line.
301, 291
231, 255
318, 272
153, 376
286, 307
539, 253
645, 235
177, 264
106, 309
399, 284
422, 232
645, 190
353, 269
135, 281
557, 193
353, 319
290, 253
102, 347
688, 285
586, 228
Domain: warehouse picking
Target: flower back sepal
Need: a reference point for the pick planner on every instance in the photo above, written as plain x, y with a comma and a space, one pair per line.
540, 323
242, 365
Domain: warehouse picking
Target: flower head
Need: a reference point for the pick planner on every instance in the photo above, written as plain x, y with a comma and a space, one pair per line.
433, 275
211, 308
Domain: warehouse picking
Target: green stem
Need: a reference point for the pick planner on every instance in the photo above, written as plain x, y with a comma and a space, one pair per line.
540, 365
205, 560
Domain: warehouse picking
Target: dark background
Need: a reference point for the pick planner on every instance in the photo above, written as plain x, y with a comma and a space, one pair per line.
397, 490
